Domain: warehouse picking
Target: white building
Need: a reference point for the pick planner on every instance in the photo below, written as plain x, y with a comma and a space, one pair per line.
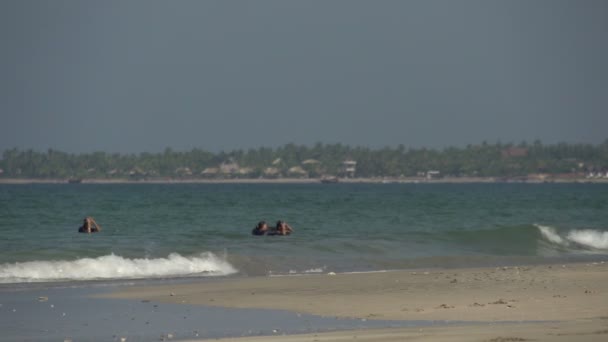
349, 167
433, 174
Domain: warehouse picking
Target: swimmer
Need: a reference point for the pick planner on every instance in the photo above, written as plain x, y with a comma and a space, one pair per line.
89, 226
283, 228
260, 229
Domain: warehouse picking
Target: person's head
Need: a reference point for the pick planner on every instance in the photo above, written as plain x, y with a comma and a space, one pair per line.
262, 225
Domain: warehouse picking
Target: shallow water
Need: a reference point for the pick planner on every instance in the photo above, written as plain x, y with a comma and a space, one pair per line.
181, 230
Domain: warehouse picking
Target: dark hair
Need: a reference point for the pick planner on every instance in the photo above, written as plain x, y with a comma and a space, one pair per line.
279, 223
260, 224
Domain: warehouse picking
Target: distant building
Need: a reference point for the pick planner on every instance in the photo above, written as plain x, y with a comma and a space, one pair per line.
271, 172
433, 174
598, 174
183, 171
136, 172
297, 171
514, 152
244, 171
349, 167
152, 173
230, 167
210, 172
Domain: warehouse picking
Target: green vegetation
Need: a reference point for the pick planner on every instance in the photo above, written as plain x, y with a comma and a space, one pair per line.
484, 160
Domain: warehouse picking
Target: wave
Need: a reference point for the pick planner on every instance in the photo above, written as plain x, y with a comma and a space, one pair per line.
115, 267
551, 235
526, 240
581, 238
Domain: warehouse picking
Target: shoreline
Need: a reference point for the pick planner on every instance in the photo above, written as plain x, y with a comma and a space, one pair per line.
383, 180
538, 301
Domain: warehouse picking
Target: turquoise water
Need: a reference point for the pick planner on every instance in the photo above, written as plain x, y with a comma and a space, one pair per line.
177, 230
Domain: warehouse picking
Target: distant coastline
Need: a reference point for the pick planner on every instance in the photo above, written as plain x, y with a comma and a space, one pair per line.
533, 163
378, 180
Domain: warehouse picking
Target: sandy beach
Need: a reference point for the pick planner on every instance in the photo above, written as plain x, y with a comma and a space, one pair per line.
540, 302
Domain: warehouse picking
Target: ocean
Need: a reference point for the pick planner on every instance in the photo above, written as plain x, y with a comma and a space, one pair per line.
167, 231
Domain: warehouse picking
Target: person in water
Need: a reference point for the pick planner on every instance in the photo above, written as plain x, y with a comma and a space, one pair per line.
260, 229
89, 226
283, 228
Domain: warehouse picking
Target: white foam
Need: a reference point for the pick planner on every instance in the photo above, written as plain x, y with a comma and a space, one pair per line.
550, 234
590, 238
115, 267
583, 237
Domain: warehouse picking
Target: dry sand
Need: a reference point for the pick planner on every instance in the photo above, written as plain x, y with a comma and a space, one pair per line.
572, 300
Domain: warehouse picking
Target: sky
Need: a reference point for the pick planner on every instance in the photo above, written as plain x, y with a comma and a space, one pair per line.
139, 76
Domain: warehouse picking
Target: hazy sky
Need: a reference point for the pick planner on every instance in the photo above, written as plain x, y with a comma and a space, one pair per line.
134, 76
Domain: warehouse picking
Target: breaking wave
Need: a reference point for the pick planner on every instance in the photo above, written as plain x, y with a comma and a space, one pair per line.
526, 239
115, 267
585, 238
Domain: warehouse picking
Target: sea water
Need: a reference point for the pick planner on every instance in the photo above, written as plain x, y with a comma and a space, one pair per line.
164, 231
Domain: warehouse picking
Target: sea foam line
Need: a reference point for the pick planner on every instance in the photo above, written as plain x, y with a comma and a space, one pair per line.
115, 267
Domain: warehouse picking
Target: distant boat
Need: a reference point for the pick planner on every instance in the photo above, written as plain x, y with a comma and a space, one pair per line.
329, 179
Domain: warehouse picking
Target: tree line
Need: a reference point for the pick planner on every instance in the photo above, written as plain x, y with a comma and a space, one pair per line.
291, 160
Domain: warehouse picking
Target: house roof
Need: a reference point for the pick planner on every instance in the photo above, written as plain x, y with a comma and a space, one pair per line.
297, 169
210, 171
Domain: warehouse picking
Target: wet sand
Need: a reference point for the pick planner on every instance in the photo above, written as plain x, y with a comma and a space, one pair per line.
585, 331
541, 302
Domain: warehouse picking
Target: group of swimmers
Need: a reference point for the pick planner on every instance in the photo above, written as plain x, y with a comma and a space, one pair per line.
281, 228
